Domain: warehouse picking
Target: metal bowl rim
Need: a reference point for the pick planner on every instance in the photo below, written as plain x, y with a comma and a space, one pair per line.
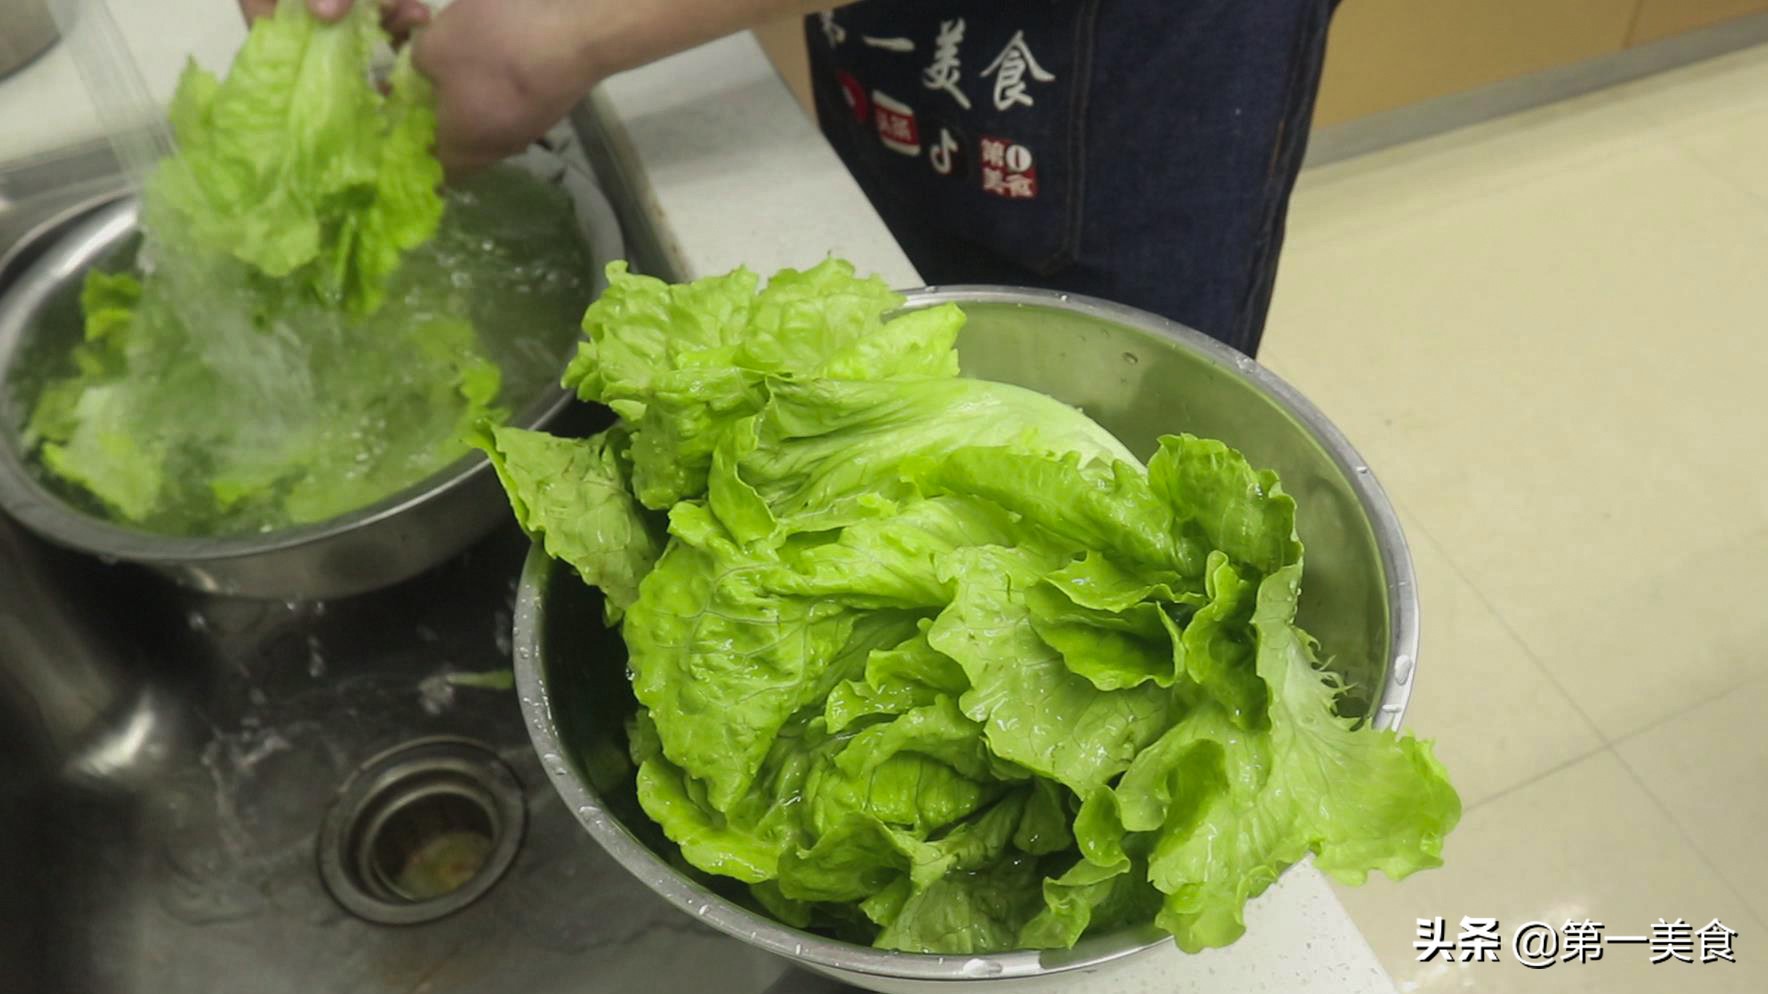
689, 896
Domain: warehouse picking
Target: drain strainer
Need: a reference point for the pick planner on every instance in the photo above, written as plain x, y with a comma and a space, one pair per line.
421, 831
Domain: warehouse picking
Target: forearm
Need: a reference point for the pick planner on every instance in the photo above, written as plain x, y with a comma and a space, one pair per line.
624, 35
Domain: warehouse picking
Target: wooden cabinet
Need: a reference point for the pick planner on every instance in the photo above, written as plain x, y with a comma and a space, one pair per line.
1385, 54
1659, 19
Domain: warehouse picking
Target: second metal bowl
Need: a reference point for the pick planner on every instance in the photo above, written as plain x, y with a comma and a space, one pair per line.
1140, 377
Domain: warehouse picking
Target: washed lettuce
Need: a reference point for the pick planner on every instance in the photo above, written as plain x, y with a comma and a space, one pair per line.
934, 662
275, 360
297, 166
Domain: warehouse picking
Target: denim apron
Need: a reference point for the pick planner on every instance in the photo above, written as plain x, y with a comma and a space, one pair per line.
1138, 150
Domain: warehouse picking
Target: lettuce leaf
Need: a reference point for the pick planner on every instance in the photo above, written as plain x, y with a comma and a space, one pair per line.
577, 505
250, 378
933, 662
1359, 800
297, 166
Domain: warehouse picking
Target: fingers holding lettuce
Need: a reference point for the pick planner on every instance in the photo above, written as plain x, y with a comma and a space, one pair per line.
505, 71
399, 17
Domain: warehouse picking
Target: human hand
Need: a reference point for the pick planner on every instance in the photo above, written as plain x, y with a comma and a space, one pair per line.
504, 72
399, 17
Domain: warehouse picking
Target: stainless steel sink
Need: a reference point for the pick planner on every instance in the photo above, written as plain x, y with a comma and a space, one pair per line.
202, 794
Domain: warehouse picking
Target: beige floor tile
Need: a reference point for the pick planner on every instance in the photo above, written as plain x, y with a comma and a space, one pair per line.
1717, 111
1497, 719
1732, 146
1585, 842
1372, 191
1561, 381
1544, 335
1709, 766
1735, 152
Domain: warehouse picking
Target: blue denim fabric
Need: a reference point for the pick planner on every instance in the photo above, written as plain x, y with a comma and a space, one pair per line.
1162, 138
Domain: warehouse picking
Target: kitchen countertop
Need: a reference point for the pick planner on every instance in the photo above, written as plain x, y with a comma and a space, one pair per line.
714, 165
728, 171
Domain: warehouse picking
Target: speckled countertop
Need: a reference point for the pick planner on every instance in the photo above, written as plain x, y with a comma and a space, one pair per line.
712, 165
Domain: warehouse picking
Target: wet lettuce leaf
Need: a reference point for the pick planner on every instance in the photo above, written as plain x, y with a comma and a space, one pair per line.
297, 165
933, 662
250, 378
576, 503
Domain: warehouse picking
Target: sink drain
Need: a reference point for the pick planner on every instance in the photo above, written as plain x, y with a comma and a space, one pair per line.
421, 831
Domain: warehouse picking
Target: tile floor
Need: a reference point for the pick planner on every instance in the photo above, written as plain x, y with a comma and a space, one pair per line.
1546, 333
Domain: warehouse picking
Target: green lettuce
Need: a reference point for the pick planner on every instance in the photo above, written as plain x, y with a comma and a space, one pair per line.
933, 662
296, 165
251, 378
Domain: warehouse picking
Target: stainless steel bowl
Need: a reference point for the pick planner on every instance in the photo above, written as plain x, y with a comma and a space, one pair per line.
1139, 376
26, 31
373, 547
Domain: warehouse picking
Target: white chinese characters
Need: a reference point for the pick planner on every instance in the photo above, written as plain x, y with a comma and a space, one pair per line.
1479, 940
1715, 942
1538, 945
1011, 185
1010, 69
1672, 939
1583, 941
833, 32
944, 72
889, 44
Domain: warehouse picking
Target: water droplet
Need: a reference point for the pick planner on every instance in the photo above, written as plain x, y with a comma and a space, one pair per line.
1244, 364
1403, 666
315, 658
501, 632
982, 968
1063, 297
196, 621
1362, 471
1131, 358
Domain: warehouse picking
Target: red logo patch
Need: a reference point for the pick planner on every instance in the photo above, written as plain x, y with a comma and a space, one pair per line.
897, 127
855, 95
1008, 168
